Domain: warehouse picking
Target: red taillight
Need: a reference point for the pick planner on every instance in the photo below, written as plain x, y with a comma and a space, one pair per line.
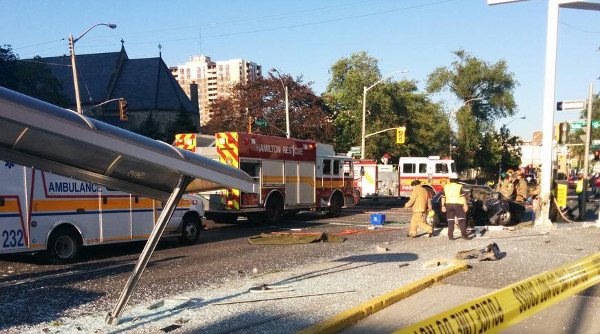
229, 202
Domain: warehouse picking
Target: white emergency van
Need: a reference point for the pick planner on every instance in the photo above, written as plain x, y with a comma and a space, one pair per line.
41, 211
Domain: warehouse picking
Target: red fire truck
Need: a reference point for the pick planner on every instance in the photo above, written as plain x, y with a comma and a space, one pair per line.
293, 175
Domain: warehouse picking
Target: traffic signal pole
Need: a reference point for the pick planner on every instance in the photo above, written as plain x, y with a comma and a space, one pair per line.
586, 155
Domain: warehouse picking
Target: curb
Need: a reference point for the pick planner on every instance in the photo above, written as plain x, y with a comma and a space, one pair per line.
351, 316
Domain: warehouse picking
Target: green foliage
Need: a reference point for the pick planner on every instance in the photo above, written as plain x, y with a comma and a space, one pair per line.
344, 96
32, 78
150, 128
575, 136
510, 154
468, 78
388, 105
183, 124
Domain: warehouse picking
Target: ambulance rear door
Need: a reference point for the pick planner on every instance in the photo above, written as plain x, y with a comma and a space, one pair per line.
13, 207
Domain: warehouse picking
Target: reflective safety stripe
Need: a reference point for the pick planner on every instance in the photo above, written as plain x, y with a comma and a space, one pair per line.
452, 193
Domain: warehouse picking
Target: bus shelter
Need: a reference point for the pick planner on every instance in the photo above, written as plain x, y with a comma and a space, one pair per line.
41, 135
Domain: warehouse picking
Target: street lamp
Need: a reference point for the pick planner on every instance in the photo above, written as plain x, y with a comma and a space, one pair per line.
512, 120
452, 112
364, 109
287, 110
72, 42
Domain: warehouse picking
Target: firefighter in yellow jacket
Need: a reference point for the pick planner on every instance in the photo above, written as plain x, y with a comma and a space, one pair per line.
420, 203
454, 204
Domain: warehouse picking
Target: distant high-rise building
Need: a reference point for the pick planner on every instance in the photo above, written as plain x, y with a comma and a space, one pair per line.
213, 79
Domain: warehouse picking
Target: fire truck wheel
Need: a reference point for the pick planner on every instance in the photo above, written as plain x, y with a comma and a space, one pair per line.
290, 213
256, 218
356, 196
190, 230
224, 218
63, 245
335, 210
274, 209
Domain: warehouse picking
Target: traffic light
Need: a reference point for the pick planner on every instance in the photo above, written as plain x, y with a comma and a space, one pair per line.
400, 135
596, 155
563, 132
123, 110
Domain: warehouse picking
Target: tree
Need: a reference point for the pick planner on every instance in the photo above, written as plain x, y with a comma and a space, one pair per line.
32, 78
149, 128
400, 104
344, 96
388, 104
264, 98
8, 68
510, 154
575, 136
183, 124
467, 78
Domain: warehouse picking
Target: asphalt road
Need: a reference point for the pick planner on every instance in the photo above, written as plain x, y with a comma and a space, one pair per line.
33, 292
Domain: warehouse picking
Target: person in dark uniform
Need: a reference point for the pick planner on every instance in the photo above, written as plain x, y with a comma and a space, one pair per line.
454, 204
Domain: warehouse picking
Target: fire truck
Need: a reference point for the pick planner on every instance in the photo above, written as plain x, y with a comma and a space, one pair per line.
292, 174
378, 180
375, 180
433, 172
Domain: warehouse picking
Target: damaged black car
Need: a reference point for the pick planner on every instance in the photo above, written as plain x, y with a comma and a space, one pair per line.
486, 207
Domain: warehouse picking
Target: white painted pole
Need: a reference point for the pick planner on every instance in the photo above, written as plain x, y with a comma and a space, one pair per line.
364, 113
548, 110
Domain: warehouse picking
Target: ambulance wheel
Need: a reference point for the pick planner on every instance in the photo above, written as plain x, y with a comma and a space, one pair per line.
274, 210
63, 245
335, 209
190, 230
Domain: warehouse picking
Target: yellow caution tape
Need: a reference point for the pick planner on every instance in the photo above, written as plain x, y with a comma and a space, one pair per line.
503, 308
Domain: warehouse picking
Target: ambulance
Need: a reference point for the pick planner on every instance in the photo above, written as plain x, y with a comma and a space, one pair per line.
41, 211
433, 172
292, 174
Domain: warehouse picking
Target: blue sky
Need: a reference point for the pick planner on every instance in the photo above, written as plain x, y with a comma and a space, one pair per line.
307, 37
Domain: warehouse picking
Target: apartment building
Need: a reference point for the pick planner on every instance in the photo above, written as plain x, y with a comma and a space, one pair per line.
205, 80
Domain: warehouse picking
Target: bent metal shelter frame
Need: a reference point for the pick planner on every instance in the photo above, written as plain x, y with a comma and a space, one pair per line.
41, 135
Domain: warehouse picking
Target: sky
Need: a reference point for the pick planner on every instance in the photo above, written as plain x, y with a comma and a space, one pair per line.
305, 38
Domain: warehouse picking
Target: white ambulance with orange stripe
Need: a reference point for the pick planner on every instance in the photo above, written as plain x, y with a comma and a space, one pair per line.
292, 174
42, 211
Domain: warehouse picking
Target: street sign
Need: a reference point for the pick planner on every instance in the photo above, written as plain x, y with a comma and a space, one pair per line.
260, 122
577, 125
571, 105
355, 150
